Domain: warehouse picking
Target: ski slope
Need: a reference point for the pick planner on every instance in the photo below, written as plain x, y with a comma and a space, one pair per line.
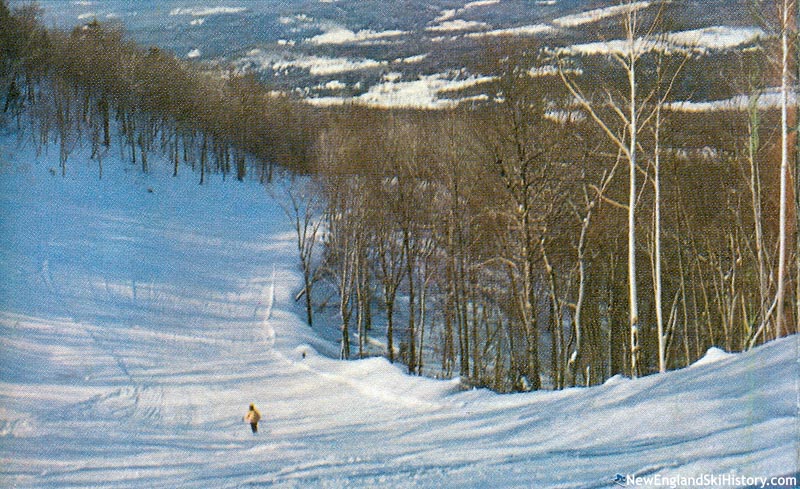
141, 314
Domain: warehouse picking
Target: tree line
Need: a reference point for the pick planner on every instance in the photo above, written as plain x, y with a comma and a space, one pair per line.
573, 227
576, 226
83, 83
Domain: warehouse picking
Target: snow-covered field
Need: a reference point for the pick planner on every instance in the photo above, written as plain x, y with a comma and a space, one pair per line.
140, 314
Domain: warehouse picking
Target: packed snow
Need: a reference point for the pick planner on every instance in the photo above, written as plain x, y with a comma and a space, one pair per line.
140, 314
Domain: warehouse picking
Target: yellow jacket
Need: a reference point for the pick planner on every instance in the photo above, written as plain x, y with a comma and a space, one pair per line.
253, 416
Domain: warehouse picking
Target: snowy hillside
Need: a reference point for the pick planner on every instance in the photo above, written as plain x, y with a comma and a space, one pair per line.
140, 314
416, 54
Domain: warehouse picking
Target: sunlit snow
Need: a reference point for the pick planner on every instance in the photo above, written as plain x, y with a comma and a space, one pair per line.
141, 314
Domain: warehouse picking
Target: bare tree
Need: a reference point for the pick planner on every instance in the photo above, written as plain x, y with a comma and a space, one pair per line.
629, 112
304, 208
788, 34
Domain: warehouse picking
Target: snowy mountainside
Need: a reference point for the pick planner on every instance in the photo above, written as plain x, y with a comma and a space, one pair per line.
140, 314
388, 54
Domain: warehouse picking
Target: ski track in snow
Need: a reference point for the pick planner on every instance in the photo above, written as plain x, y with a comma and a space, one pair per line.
136, 326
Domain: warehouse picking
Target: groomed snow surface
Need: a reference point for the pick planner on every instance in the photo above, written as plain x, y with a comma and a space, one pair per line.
141, 314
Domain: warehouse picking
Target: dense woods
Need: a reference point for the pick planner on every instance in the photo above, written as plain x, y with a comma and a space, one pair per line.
572, 227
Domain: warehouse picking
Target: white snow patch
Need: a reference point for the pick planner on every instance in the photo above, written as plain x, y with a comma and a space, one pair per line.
393, 76
422, 93
329, 66
716, 37
413, 59
445, 15
448, 14
207, 11
769, 99
341, 35
598, 14
480, 3
332, 85
296, 19
699, 40
616, 46
316, 65
525, 30
457, 25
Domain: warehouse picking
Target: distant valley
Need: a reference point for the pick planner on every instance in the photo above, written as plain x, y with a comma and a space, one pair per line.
412, 53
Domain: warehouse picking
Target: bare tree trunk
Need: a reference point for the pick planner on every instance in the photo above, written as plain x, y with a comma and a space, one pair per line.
633, 297
783, 171
786, 86
662, 363
410, 265
556, 333
755, 194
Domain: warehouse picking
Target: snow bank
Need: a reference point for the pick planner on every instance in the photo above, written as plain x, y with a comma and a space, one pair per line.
713, 355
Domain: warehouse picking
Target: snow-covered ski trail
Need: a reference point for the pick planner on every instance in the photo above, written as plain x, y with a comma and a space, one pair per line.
136, 327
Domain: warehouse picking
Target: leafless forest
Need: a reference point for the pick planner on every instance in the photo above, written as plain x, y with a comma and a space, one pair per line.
575, 225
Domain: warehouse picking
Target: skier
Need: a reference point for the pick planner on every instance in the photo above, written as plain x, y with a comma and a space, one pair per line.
253, 416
